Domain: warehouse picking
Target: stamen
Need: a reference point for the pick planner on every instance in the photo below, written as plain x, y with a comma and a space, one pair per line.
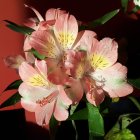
46, 100
38, 80
98, 61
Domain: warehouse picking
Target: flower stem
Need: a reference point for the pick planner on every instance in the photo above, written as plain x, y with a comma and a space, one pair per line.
135, 102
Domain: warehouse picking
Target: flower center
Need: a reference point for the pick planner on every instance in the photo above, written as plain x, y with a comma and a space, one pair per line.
66, 40
38, 80
98, 61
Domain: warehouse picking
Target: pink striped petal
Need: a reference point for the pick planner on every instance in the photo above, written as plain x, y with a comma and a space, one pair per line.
104, 53
53, 14
65, 30
42, 67
44, 43
43, 114
60, 111
84, 40
26, 71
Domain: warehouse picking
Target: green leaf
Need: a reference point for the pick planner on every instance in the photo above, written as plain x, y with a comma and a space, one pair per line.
73, 108
79, 115
103, 19
53, 126
37, 55
18, 28
100, 21
95, 122
12, 100
124, 4
135, 82
13, 85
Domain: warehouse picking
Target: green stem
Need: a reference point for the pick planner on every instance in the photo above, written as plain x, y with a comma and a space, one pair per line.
136, 103
73, 108
76, 133
134, 121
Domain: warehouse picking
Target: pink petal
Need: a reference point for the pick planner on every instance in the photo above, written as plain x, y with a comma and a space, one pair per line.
78, 63
115, 80
65, 30
70, 54
60, 110
104, 54
42, 67
53, 13
28, 105
43, 114
26, 71
124, 90
63, 96
84, 40
44, 43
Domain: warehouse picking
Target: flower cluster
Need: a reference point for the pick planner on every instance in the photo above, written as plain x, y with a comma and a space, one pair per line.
74, 64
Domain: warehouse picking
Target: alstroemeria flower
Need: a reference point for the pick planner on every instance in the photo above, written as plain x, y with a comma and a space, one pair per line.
39, 95
56, 45
96, 69
113, 80
102, 57
40, 23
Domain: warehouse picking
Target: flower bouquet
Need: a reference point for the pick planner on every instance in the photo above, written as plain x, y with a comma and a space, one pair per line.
68, 74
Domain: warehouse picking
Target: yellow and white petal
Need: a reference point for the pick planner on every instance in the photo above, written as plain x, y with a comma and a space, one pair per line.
113, 80
103, 54
35, 94
66, 30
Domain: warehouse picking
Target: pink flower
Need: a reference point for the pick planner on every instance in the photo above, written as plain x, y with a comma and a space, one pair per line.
39, 95
40, 23
95, 68
56, 44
